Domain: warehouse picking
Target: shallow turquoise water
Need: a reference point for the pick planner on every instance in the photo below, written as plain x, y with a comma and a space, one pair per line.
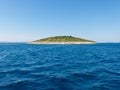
59, 67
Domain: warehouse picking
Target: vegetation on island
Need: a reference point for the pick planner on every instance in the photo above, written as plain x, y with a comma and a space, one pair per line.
63, 39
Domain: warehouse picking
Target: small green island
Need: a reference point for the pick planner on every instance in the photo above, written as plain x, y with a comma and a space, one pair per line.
62, 40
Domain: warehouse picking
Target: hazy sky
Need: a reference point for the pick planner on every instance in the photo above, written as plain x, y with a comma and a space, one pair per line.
26, 20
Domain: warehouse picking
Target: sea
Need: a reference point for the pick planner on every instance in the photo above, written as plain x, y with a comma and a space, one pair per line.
59, 67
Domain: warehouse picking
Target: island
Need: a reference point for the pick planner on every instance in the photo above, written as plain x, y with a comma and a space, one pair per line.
62, 40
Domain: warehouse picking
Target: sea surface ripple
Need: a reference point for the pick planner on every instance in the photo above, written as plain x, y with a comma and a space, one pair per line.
59, 67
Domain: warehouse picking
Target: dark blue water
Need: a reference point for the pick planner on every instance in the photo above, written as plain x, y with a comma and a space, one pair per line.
59, 67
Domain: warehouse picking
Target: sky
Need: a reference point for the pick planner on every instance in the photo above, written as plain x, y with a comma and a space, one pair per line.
28, 20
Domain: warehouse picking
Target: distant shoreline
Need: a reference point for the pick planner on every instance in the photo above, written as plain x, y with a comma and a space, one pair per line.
61, 43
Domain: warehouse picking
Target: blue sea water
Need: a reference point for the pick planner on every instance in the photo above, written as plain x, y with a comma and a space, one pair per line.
59, 67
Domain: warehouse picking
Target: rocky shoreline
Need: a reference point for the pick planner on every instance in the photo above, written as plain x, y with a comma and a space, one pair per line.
61, 43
